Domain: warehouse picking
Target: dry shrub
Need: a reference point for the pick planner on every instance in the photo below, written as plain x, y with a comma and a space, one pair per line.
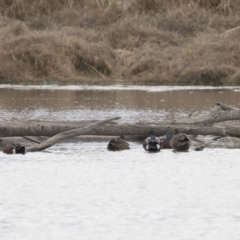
164, 29
128, 33
146, 5
37, 56
151, 6
97, 58
162, 40
15, 29
5, 21
207, 59
150, 69
235, 78
210, 3
211, 50
91, 35
215, 76
224, 6
50, 55
86, 16
145, 63
21, 9
134, 31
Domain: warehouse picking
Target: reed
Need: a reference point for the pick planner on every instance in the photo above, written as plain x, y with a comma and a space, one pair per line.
163, 41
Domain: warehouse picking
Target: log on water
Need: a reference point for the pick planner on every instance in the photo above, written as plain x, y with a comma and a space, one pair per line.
38, 128
137, 129
198, 126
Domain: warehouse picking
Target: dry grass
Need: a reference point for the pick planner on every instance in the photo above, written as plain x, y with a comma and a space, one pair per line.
162, 41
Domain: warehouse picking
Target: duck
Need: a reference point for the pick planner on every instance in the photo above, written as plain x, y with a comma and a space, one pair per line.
14, 148
165, 141
118, 144
180, 142
152, 142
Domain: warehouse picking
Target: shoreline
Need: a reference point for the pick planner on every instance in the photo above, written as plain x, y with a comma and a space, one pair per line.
108, 82
115, 87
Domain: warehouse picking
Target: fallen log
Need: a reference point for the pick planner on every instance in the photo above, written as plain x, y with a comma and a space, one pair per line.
137, 129
38, 128
209, 125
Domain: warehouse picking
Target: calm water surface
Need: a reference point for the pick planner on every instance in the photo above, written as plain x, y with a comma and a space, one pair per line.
82, 191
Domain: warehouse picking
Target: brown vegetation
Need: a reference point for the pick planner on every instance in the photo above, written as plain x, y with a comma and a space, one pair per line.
161, 41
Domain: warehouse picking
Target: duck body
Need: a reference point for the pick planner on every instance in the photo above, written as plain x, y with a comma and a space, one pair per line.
152, 143
14, 149
180, 142
118, 144
165, 141
165, 144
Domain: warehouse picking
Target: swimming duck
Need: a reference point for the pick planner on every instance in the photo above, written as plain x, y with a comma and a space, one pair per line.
118, 144
13, 148
151, 143
180, 142
165, 141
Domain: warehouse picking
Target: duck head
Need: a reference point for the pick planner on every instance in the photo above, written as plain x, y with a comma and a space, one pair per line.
170, 134
14, 149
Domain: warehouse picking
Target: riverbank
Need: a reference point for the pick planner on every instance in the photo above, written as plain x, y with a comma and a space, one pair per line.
102, 42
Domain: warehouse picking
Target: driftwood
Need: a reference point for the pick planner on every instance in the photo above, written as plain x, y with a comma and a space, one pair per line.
202, 146
65, 135
216, 124
136, 129
193, 126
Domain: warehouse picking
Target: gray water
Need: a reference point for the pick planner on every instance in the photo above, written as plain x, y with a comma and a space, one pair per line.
82, 191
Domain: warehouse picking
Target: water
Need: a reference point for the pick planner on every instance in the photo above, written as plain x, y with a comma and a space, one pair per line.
80, 190
132, 103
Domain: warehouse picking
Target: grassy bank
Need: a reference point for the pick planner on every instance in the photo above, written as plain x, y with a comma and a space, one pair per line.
148, 41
